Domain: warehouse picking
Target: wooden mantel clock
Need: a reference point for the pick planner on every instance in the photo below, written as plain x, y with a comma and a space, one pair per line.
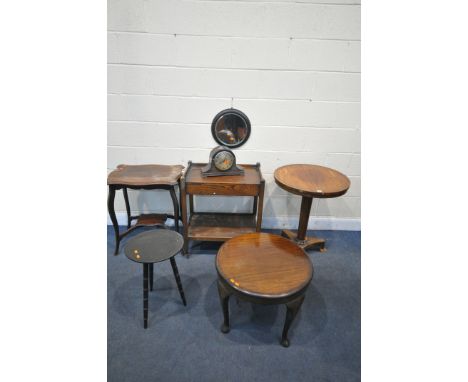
222, 161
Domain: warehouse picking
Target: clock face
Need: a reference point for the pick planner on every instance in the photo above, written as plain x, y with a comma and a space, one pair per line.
223, 160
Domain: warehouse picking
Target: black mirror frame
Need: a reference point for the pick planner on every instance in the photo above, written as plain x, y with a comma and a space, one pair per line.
223, 113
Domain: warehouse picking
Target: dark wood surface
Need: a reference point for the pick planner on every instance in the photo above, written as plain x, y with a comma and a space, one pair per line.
150, 219
265, 269
145, 175
220, 227
312, 180
303, 241
154, 246
251, 176
264, 265
239, 185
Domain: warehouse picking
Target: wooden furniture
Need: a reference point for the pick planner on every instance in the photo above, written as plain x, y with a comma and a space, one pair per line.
153, 247
206, 226
265, 269
309, 181
146, 177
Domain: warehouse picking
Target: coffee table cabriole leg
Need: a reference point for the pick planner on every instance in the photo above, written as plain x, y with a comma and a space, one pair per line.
177, 277
110, 206
292, 308
127, 206
224, 298
145, 294
176, 208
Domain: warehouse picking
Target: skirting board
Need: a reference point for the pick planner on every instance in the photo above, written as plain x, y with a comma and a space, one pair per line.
280, 222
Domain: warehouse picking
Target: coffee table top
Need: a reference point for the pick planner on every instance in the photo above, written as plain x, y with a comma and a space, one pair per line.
145, 175
312, 180
264, 265
154, 246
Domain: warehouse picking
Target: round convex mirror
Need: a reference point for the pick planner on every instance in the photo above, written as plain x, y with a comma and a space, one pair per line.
231, 128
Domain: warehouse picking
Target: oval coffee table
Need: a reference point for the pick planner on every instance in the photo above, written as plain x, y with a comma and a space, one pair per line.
265, 269
309, 181
153, 247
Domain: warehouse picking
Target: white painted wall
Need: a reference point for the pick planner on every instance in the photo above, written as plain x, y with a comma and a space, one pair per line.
292, 66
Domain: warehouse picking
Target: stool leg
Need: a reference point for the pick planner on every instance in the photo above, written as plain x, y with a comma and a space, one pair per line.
110, 207
291, 312
127, 206
224, 298
151, 276
145, 295
179, 283
176, 208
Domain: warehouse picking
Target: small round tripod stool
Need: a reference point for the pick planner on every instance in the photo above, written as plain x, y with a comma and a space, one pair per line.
153, 247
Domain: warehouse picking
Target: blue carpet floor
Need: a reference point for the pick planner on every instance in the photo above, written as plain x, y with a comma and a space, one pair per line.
186, 344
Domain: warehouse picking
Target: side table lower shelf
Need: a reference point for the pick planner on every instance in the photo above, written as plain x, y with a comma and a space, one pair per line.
144, 220
205, 226
149, 220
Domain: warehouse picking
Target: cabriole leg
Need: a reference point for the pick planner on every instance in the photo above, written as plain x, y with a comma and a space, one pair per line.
127, 206
224, 298
110, 207
291, 311
176, 208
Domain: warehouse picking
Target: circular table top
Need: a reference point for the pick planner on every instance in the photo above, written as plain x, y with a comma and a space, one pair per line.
154, 246
264, 265
312, 180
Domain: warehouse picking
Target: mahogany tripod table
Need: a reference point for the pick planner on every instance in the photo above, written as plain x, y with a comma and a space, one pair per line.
153, 247
309, 181
264, 269
142, 177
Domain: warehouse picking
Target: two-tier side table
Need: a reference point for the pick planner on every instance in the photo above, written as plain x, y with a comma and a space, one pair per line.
204, 226
142, 177
309, 181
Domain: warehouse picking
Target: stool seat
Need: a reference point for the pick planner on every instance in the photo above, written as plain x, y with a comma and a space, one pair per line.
264, 265
145, 175
154, 246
